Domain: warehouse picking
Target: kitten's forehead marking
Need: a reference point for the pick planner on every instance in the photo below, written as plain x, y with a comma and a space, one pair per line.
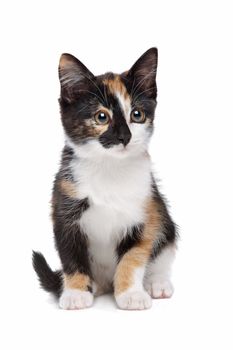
117, 88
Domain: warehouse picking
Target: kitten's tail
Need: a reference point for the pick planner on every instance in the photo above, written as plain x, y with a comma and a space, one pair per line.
50, 280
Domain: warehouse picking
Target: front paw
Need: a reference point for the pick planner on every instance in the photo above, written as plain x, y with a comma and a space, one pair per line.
160, 289
137, 300
74, 299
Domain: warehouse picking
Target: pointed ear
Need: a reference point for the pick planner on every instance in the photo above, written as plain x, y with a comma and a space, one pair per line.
74, 76
143, 73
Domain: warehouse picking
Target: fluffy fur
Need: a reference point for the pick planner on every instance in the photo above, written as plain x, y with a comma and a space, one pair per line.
112, 228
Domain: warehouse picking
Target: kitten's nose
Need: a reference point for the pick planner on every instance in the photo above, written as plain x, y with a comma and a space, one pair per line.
124, 135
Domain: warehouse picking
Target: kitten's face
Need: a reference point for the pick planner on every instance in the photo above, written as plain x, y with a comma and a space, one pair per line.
110, 114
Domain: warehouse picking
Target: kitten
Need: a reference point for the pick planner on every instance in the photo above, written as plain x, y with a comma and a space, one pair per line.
112, 228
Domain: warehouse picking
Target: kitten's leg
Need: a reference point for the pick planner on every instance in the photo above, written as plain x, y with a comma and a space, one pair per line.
77, 292
129, 291
72, 246
128, 282
157, 280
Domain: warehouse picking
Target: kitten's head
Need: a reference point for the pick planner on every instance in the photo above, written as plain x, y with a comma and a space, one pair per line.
109, 114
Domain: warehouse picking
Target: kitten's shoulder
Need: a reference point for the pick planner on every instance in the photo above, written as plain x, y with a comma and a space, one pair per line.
63, 182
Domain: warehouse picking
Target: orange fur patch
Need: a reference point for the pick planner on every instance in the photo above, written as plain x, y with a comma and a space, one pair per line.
65, 61
100, 129
140, 253
77, 281
116, 86
68, 188
53, 203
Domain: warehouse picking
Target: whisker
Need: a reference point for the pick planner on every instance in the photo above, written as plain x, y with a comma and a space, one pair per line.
144, 100
141, 81
70, 80
136, 98
85, 107
132, 90
106, 98
90, 92
86, 76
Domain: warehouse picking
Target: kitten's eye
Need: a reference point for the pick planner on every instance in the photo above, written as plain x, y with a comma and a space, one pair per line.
102, 118
137, 116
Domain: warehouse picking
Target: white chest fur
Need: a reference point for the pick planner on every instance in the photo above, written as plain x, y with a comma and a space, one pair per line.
116, 190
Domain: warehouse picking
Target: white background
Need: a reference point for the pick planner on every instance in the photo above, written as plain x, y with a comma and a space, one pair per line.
191, 150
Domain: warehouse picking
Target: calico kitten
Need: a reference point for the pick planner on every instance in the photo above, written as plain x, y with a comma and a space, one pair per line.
112, 228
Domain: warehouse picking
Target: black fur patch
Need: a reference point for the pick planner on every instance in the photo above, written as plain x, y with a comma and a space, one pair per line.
70, 241
169, 229
118, 132
132, 237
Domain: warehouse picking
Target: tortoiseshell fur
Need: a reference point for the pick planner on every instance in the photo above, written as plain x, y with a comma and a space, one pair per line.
112, 229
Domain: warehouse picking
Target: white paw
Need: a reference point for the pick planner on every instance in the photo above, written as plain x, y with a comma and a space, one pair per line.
72, 299
160, 289
134, 300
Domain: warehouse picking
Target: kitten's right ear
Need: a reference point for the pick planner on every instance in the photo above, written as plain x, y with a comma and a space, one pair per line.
74, 76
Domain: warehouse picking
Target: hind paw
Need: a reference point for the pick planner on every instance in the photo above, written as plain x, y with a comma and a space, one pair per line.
160, 289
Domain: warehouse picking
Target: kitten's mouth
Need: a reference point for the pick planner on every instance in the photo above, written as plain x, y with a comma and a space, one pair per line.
121, 148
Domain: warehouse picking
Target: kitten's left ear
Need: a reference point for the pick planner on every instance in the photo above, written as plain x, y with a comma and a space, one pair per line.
143, 72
